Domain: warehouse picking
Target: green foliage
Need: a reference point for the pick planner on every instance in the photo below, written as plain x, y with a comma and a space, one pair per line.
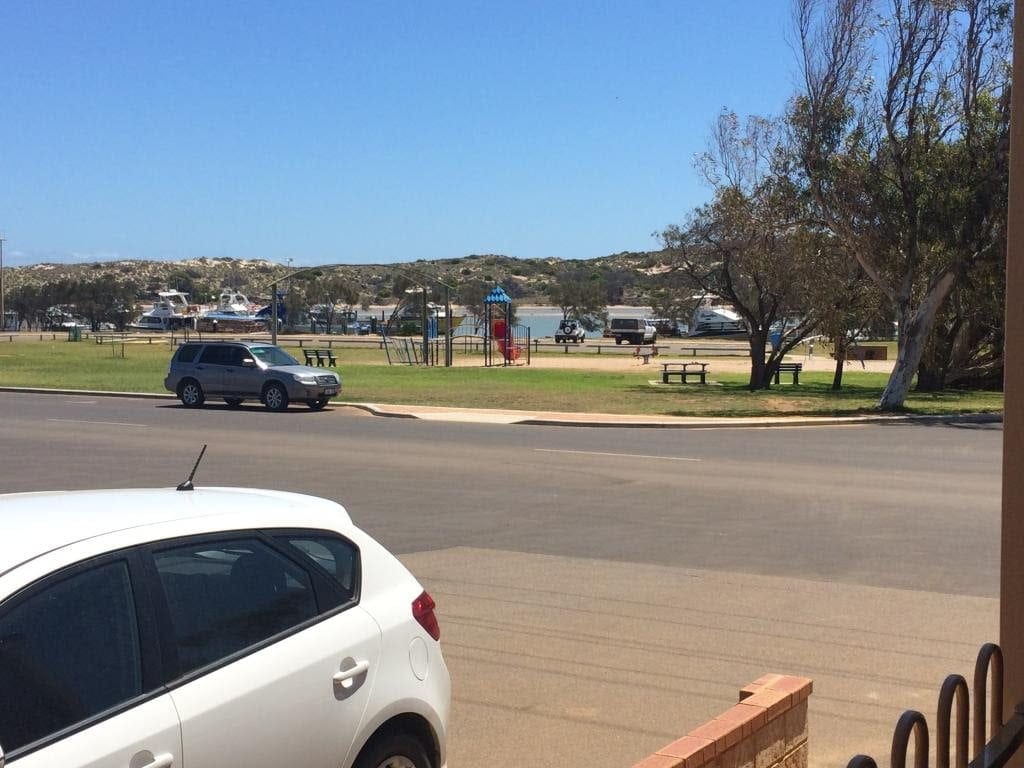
581, 294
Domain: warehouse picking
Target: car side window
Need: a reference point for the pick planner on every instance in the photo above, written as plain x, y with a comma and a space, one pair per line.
224, 596
337, 556
68, 652
213, 355
235, 355
187, 353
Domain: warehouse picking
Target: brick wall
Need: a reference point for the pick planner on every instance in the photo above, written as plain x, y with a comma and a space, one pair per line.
767, 729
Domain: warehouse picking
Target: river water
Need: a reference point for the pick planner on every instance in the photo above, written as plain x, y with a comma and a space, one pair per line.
542, 321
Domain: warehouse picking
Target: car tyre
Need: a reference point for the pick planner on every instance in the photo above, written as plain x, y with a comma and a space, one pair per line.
398, 750
275, 397
233, 402
190, 392
319, 404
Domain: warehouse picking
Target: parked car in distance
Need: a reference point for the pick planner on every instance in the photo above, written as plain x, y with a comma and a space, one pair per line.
239, 371
228, 625
666, 326
633, 330
570, 330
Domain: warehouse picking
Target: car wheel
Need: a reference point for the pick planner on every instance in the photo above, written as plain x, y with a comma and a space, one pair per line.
394, 751
191, 393
318, 404
233, 402
618, 339
275, 397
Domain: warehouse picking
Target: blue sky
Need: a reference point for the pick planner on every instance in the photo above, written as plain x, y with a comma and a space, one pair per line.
367, 131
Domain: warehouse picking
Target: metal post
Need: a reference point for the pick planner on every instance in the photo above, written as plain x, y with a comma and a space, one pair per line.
3, 309
273, 314
426, 330
1011, 594
448, 330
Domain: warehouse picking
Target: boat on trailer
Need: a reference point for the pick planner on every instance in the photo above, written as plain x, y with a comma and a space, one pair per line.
170, 312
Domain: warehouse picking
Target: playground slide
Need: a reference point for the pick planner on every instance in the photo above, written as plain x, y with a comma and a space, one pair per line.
511, 352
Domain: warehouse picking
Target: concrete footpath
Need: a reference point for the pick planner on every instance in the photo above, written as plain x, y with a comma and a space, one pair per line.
561, 661
572, 419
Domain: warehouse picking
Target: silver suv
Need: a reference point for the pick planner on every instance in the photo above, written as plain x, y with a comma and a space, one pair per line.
237, 371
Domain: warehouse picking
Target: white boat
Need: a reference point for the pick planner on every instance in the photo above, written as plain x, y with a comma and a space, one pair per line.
170, 312
713, 317
234, 312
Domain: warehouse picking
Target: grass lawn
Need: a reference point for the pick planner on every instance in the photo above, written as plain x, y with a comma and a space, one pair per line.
367, 378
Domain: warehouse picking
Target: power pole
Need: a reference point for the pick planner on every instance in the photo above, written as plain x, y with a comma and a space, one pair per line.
3, 309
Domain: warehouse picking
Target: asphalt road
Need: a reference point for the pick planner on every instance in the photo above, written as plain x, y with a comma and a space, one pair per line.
603, 591
892, 506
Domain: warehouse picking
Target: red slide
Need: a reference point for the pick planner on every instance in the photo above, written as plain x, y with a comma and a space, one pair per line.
512, 352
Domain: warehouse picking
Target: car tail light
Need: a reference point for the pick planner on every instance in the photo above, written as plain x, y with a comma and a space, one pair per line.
423, 611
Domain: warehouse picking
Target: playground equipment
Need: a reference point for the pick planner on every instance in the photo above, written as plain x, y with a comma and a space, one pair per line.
511, 341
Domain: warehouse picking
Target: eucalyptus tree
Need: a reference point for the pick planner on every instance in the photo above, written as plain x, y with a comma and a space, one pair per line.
902, 132
751, 246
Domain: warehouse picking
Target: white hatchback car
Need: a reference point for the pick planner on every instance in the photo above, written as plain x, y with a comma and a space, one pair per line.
211, 628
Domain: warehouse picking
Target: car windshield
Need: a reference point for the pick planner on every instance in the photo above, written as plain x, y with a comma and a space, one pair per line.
272, 356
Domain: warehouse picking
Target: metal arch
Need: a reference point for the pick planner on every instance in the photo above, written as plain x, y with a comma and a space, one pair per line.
954, 686
910, 721
989, 657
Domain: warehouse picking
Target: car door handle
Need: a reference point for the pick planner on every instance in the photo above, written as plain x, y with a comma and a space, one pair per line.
355, 670
166, 760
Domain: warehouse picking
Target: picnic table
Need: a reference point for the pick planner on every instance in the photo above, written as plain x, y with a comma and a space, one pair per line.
684, 371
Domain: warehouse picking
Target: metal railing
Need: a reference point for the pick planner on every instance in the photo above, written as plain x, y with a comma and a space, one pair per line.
1004, 738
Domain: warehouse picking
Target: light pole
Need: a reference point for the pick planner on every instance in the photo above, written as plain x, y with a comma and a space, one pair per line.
3, 309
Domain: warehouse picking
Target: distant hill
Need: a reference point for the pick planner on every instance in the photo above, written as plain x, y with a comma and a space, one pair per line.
629, 275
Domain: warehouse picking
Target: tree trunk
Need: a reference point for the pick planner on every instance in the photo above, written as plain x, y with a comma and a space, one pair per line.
913, 335
758, 369
840, 352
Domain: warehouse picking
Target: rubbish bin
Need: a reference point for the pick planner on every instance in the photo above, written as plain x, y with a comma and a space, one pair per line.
74, 333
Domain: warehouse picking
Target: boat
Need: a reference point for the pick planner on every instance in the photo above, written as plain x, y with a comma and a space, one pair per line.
233, 313
713, 317
170, 312
407, 317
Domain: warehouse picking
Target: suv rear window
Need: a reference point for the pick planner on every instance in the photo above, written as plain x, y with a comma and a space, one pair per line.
187, 352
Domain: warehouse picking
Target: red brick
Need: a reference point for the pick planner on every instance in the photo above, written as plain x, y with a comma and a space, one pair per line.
775, 702
691, 749
660, 761
724, 733
794, 686
745, 715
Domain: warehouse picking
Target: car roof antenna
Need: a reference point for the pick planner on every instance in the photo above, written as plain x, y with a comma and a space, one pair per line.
187, 485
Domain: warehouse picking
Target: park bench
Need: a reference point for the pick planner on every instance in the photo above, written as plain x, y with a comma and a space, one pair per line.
646, 353
321, 357
793, 368
684, 371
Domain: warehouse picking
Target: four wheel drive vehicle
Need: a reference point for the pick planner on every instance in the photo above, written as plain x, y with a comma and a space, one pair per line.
239, 371
633, 330
570, 330
212, 627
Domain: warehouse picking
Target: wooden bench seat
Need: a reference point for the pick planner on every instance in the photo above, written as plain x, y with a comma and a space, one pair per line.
322, 357
793, 368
